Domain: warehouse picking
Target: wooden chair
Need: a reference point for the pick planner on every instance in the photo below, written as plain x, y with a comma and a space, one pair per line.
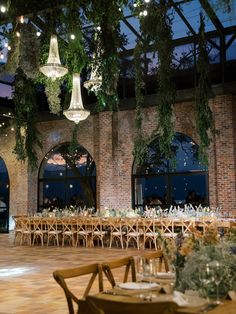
18, 228
127, 262
116, 232
27, 231
84, 231
160, 260
98, 231
150, 233
53, 230
132, 232
69, 231
39, 230
60, 276
107, 304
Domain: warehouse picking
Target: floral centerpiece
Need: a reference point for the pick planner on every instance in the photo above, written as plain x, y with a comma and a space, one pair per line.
205, 263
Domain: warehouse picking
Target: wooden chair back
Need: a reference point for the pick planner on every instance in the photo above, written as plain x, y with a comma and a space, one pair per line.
61, 275
127, 262
107, 304
160, 259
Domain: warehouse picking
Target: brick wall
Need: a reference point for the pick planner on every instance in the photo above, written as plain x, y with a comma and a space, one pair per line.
109, 139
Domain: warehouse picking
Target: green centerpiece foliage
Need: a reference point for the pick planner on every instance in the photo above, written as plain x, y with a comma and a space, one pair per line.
204, 118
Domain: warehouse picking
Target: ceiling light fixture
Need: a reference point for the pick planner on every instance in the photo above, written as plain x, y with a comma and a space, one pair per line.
53, 68
76, 111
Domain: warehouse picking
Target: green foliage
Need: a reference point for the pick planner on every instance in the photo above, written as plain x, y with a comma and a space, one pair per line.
107, 42
166, 89
53, 90
204, 118
140, 150
27, 135
74, 142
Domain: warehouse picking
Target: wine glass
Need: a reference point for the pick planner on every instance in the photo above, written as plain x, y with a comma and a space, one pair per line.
206, 276
139, 268
218, 273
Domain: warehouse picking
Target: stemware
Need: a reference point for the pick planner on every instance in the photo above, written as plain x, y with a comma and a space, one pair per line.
218, 273
206, 276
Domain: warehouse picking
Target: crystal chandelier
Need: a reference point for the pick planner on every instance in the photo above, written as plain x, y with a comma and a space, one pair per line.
53, 68
95, 81
76, 111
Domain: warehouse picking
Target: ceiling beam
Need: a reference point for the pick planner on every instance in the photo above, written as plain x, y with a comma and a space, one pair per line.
212, 16
186, 40
181, 15
131, 28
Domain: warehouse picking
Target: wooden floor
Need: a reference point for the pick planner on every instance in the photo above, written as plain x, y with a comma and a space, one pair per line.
26, 282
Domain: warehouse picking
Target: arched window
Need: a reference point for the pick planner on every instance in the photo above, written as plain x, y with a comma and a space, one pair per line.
163, 182
67, 179
4, 197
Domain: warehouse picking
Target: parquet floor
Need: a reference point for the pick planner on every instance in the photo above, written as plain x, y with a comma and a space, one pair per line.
26, 282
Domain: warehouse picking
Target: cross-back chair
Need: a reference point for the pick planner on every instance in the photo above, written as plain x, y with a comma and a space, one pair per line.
127, 262
116, 231
160, 259
61, 276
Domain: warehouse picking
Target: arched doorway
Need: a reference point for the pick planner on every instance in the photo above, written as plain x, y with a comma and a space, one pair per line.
162, 182
67, 179
4, 197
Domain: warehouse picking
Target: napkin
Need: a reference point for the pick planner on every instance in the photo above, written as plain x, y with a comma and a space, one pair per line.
180, 298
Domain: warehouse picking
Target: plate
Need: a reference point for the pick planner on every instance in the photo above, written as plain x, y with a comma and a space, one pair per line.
138, 285
165, 275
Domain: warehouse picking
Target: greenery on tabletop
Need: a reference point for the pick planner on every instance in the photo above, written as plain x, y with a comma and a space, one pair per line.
204, 117
193, 254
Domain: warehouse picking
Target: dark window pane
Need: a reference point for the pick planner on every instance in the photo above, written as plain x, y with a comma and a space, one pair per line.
150, 190
189, 189
67, 178
160, 181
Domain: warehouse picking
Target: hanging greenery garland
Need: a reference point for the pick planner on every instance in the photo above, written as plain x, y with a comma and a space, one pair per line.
157, 28
27, 135
140, 150
108, 39
166, 89
204, 118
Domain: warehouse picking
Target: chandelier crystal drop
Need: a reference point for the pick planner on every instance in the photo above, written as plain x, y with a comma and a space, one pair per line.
76, 111
53, 68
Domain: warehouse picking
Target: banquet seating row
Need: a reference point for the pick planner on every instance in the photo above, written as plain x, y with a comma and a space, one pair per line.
122, 232
96, 271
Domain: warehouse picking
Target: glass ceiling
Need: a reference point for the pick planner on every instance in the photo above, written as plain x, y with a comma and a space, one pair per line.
186, 20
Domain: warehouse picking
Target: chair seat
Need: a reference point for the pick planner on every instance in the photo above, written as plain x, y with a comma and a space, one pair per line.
133, 234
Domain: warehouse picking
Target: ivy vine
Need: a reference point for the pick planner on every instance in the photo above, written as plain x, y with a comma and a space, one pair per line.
204, 117
157, 29
27, 135
166, 89
140, 150
107, 40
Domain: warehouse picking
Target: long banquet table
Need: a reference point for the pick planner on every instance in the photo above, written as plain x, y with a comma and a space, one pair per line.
104, 225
